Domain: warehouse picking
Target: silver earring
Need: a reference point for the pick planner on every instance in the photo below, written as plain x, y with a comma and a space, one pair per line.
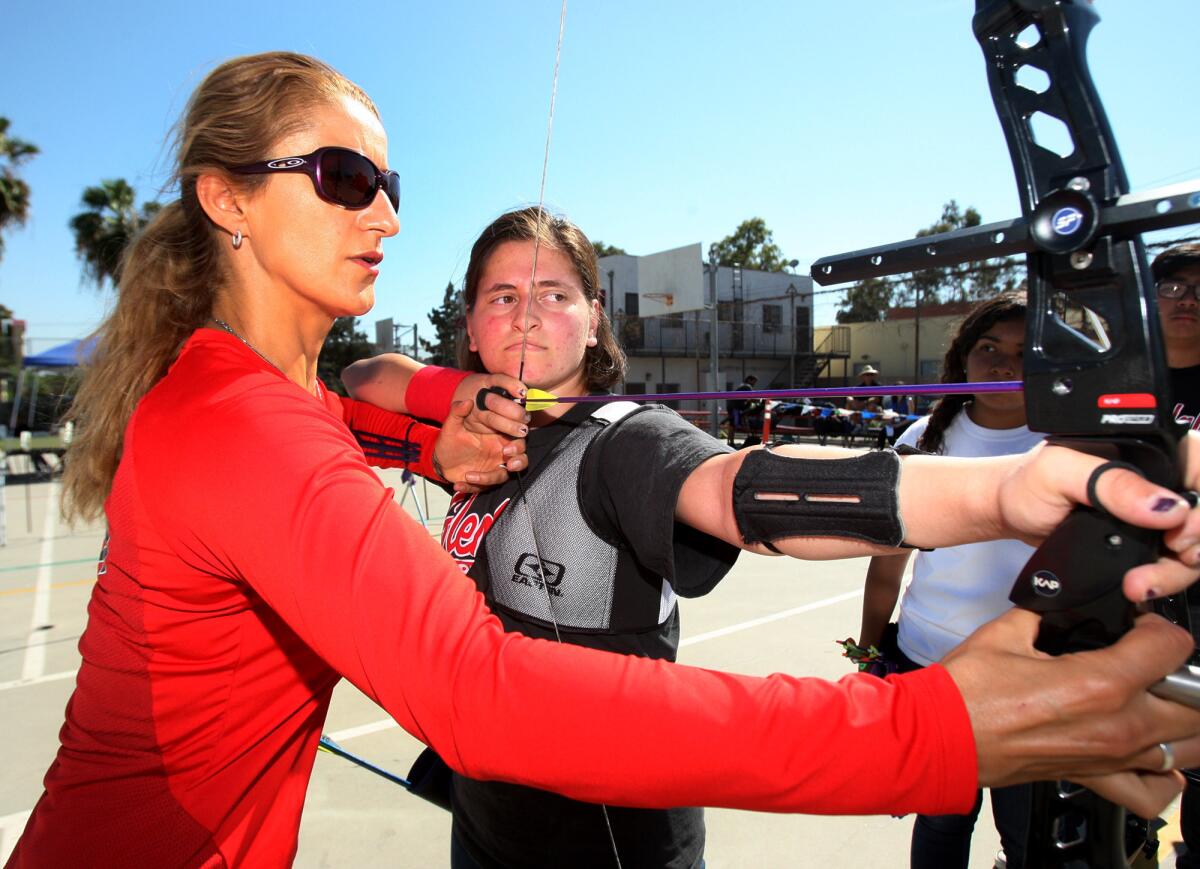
237, 239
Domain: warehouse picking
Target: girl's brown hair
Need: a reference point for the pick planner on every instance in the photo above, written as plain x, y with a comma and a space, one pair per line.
171, 272
985, 315
604, 364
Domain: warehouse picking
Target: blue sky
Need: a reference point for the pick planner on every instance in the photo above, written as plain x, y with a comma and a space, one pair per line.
843, 125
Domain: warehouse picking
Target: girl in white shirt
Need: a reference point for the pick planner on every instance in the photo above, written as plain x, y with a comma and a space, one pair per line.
956, 589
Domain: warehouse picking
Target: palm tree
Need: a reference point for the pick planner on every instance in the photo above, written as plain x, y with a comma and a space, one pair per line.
104, 230
14, 192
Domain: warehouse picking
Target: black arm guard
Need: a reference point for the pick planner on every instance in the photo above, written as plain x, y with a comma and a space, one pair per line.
777, 496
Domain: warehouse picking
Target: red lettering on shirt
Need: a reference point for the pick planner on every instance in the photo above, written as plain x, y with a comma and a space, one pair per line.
464, 530
1192, 421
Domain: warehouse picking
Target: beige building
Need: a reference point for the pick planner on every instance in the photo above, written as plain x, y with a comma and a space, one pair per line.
893, 346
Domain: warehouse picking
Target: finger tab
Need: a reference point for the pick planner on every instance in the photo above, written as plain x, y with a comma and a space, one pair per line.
481, 395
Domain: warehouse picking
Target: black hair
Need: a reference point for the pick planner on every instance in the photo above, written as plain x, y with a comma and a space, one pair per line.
1000, 309
1175, 259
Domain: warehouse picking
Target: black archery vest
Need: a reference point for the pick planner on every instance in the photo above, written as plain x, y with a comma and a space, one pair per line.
588, 585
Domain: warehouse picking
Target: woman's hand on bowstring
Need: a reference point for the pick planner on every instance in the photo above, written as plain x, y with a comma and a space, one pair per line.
478, 448
1040, 488
500, 412
1086, 717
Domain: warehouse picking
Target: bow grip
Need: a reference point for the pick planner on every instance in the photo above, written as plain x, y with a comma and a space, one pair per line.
1074, 580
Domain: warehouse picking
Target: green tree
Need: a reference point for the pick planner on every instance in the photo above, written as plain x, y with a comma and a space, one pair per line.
8, 348
603, 249
751, 246
447, 320
867, 301
14, 191
105, 228
9, 353
344, 344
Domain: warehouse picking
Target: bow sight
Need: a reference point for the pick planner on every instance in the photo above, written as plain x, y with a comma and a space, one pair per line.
1095, 373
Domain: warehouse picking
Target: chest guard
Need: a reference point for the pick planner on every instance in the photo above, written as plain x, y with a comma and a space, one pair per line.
592, 585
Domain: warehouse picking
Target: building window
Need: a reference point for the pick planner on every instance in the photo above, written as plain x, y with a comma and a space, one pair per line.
772, 318
631, 305
667, 387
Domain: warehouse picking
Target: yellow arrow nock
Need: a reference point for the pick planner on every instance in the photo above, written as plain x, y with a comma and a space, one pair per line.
539, 399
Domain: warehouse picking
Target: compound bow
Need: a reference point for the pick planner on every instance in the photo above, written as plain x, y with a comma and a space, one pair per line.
1095, 373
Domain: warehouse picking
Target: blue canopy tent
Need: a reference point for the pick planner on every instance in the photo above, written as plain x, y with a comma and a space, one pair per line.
67, 355
64, 355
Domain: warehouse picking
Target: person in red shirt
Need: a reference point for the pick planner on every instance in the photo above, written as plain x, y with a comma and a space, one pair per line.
253, 559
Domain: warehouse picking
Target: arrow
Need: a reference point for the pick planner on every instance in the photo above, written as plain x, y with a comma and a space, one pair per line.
537, 399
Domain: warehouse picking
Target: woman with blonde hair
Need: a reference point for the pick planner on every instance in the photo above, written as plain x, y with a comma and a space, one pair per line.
253, 559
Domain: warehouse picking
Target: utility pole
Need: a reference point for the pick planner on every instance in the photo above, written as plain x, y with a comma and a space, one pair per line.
791, 291
401, 330
917, 334
714, 343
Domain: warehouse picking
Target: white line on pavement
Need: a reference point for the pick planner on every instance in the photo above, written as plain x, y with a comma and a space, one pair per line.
25, 683
363, 730
774, 617
35, 649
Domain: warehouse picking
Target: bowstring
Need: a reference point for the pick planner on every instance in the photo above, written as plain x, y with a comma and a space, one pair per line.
529, 303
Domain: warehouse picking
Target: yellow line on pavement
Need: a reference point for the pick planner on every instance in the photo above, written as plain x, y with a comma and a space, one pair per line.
30, 589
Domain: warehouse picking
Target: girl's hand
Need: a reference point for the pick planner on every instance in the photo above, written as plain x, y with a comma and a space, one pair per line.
1042, 486
503, 415
473, 456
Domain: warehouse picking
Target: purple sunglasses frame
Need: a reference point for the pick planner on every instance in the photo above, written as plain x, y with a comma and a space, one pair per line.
310, 165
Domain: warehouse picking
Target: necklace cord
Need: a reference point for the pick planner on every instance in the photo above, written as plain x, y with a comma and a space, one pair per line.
316, 389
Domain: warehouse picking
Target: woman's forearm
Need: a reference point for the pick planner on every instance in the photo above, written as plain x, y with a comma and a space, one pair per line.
941, 502
381, 380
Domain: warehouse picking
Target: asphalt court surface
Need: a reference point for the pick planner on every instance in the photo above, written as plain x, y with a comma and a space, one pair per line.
769, 615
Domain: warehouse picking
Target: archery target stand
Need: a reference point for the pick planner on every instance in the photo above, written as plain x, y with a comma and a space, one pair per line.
409, 484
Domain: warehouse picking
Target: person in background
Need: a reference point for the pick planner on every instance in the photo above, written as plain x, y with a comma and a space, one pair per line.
956, 589
740, 408
1176, 273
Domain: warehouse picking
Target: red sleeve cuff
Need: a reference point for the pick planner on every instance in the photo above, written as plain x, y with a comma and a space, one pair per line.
430, 392
426, 436
934, 709
391, 440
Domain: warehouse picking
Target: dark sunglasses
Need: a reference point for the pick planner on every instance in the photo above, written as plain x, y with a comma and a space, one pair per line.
1177, 290
339, 175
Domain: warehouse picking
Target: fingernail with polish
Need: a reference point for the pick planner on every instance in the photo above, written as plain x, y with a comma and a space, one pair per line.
1165, 505
1151, 594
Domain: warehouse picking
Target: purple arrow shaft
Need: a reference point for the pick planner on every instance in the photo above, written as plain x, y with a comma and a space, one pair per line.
823, 392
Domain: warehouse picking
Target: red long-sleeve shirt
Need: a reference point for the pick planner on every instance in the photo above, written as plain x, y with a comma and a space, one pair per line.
254, 558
